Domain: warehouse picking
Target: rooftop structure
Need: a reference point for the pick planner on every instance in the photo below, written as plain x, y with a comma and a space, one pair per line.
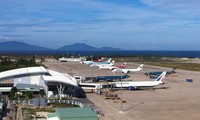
23, 72
72, 114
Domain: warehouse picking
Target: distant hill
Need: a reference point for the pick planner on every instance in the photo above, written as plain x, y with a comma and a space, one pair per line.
77, 47
19, 46
84, 47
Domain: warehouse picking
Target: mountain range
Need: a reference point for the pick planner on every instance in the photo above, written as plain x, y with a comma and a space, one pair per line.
83, 46
21, 46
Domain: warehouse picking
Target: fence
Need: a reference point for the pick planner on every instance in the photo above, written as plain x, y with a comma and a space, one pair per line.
43, 102
73, 102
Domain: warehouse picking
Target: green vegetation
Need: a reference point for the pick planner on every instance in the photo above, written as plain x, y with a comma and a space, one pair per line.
33, 110
28, 95
42, 93
12, 94
63, 105
185, 66
13, 62
142, 59
161, 61
16, 94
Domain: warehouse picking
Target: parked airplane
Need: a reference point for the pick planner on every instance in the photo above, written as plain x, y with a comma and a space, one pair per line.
155, 74
89, 61
140, 84
100, 63
103, 65
92, 62
112, 67
128, 70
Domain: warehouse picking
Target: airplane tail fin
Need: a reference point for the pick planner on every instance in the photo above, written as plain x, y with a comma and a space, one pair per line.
174, 68
82, 62
113, 62
101, 59
115, 70
140, 67
124, 65
109, 60
161, 77
173, 71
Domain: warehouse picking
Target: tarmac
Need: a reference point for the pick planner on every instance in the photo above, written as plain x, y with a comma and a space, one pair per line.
175, 100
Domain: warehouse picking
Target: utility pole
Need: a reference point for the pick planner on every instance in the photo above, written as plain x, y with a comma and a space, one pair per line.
92, 67
121, 90
79, 65
121, 110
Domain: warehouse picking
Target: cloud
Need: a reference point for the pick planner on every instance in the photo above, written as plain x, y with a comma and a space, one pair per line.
176, 4
89, 20
6, 38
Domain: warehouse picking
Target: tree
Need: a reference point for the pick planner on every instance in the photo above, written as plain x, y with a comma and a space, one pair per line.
12, 94
42, 93
28, 94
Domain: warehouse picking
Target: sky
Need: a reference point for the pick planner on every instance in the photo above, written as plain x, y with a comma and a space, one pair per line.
125, 24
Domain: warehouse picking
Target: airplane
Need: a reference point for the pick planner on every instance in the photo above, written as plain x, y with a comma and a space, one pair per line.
112, 67
93, 62
89, 61
100, 63
128, 70
103, 65
139, 84
155, 74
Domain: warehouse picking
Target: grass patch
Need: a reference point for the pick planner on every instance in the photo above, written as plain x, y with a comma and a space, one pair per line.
62, 105
179, 65
169, 62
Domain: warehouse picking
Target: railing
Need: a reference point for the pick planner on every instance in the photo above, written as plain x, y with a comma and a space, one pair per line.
73, 102
36, 102
43, 102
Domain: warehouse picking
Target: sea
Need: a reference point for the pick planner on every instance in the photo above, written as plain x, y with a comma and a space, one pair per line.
161, 53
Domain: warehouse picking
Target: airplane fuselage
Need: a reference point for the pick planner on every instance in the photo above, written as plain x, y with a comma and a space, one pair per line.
125, 70
138, 84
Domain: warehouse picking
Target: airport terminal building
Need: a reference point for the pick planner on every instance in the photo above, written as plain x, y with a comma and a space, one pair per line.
36, 78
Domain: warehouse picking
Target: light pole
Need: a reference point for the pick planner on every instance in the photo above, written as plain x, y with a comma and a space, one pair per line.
79, 65
92, 67
121, 94
121, 90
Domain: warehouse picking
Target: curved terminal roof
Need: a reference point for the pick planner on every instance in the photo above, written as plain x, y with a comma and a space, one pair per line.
46, 74
59, 77
22, 71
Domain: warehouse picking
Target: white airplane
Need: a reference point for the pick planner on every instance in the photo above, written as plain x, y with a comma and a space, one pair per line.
140, 84
104, 65
95, 64
128, 70
90, 62
112, 67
